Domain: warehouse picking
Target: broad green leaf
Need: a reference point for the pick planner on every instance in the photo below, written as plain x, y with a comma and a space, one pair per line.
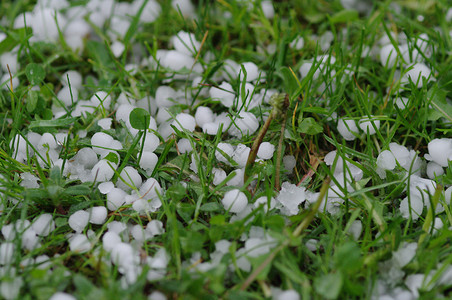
329, 285
35, 73
32, 100
344, 16
210, 207
112, 157
309, 126
52, 123
348, 257
140, 118
291, 84
438, 100
14, 37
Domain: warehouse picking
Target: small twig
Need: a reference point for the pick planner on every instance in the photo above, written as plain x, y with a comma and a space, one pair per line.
281, 139
10, 78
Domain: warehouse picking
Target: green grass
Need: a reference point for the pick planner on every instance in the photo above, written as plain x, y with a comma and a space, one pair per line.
353, 86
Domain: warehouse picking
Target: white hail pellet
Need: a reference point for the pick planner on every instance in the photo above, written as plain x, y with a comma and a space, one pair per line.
105, 187
268, 9
297, 43
241, 154
203, 115
148, 161
129, 176
102, 171
6, 253
388, 55
97, 215
10, 289
68, 95
266, 150
356, 229
101, 140
288, 295
115, 199
366, 125
267, 205
218, 176
251, 69
62, 296
9, 232
109, 240
151, 142
290, 197
415, 206
186, 43
386, 160
101, 97
78, 220
165, 96
404, 254
122, 255
348, 129
245, 124
79, 243
150, 12
234, 201
43, 225
184, 121
117, 48
289, 162
30, 240
184, 146
105, 123
227, 149
434, 170
440, 151
224, 93
175, 60
416, 73
155, 227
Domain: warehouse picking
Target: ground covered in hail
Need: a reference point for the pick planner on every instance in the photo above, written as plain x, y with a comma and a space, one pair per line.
225, 149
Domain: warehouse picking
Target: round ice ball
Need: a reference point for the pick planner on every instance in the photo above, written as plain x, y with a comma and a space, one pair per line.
235, 201
203, 115
175, 60
164, 96
246, 123
185, 121
388, 55
97, 215
43, 225
266, 150
186, 43
129, 176
79, 220
227, 149
224, 93
101, 97
72, 78
441, 151
348, 129
434, 170
103, 170
252, 71
416, 73
386, 160
115, 199
86, 157
68, 95
148, 161
101, 140
366, 125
